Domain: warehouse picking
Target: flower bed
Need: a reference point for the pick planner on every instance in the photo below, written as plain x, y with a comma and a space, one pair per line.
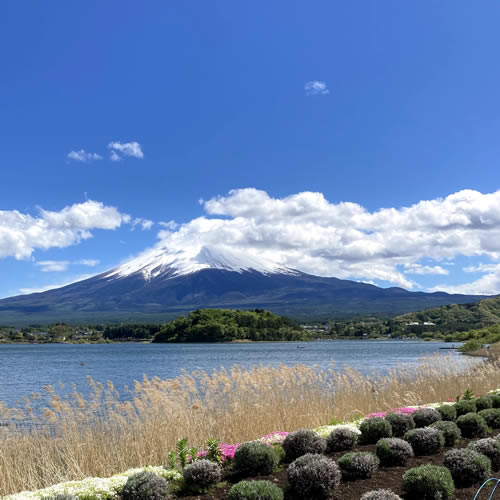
110, 488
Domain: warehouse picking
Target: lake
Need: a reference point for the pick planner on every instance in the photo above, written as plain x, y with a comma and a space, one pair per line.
26, 368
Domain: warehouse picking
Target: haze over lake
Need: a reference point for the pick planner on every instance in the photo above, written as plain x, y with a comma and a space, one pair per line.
27, 368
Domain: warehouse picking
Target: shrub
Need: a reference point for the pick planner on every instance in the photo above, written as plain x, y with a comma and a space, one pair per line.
465, 406
467, 467
202, 473
254, 459
145, 486
430, 482
255, 490
483, 403
447, 412
373, 429
495, 399
358, 465
425, 441
380, 495
423, 417
472, 425
313, 476
393, 451
300, 442
489, 447
492, 417
341, 439
400, 423
450, 431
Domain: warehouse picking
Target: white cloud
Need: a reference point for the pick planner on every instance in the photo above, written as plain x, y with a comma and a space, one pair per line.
306, 232
171, 224
315, 87
63, 265
40, 289
489, 284
121, 149
420, 269
87, 262
21, 234
53, 265
480, 268
144, 223
83, 156
114, 156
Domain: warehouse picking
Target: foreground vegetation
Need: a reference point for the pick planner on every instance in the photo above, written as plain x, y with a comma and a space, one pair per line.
72, 436
438, 451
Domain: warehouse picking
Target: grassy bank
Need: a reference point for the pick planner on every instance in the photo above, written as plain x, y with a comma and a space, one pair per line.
239, 405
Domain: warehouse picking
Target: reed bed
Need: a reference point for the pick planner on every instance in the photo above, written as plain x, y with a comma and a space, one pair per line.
74, 436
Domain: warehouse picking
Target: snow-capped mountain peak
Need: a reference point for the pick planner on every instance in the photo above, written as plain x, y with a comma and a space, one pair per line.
162, 262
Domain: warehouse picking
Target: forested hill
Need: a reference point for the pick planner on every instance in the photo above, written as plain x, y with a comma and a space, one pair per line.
461, 316
226, 325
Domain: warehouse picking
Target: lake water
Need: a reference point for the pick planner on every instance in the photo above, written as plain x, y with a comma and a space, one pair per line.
27, 368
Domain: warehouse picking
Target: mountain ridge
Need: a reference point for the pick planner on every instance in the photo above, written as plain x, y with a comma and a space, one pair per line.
163, 284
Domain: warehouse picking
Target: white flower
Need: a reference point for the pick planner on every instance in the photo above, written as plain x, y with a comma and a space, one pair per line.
325, 430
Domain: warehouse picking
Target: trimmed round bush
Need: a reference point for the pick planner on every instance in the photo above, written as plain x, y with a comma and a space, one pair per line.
492, 417
358, 465
341, 439
380, 495
373, 429
450, 431
467, 467
483, 403
393, 451
428, 482
423, 417
300, 442
425, 441
465, 406
202, 473
472, 425
313, 476
447, 412
145, 485
254, 459
495, 399
400, 423
489, 447
255, 490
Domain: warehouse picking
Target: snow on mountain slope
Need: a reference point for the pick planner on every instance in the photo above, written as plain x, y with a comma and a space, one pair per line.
160, 262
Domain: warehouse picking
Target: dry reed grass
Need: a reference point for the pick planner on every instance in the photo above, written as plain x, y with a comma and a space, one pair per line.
233, 406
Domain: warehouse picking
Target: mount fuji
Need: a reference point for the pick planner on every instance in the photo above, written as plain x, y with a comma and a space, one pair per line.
160, 284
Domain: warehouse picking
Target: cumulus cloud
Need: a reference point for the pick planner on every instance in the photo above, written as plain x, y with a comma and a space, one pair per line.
120, 149
83, 156
315, 87
21, 234
305, 231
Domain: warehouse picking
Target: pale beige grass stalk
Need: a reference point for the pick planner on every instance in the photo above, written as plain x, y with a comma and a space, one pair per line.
232, 406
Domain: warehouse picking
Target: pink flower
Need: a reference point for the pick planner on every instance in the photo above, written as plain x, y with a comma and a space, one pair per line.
382, 414
274, 438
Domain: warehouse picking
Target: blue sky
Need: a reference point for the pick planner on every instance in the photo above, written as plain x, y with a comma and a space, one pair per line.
381, 104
